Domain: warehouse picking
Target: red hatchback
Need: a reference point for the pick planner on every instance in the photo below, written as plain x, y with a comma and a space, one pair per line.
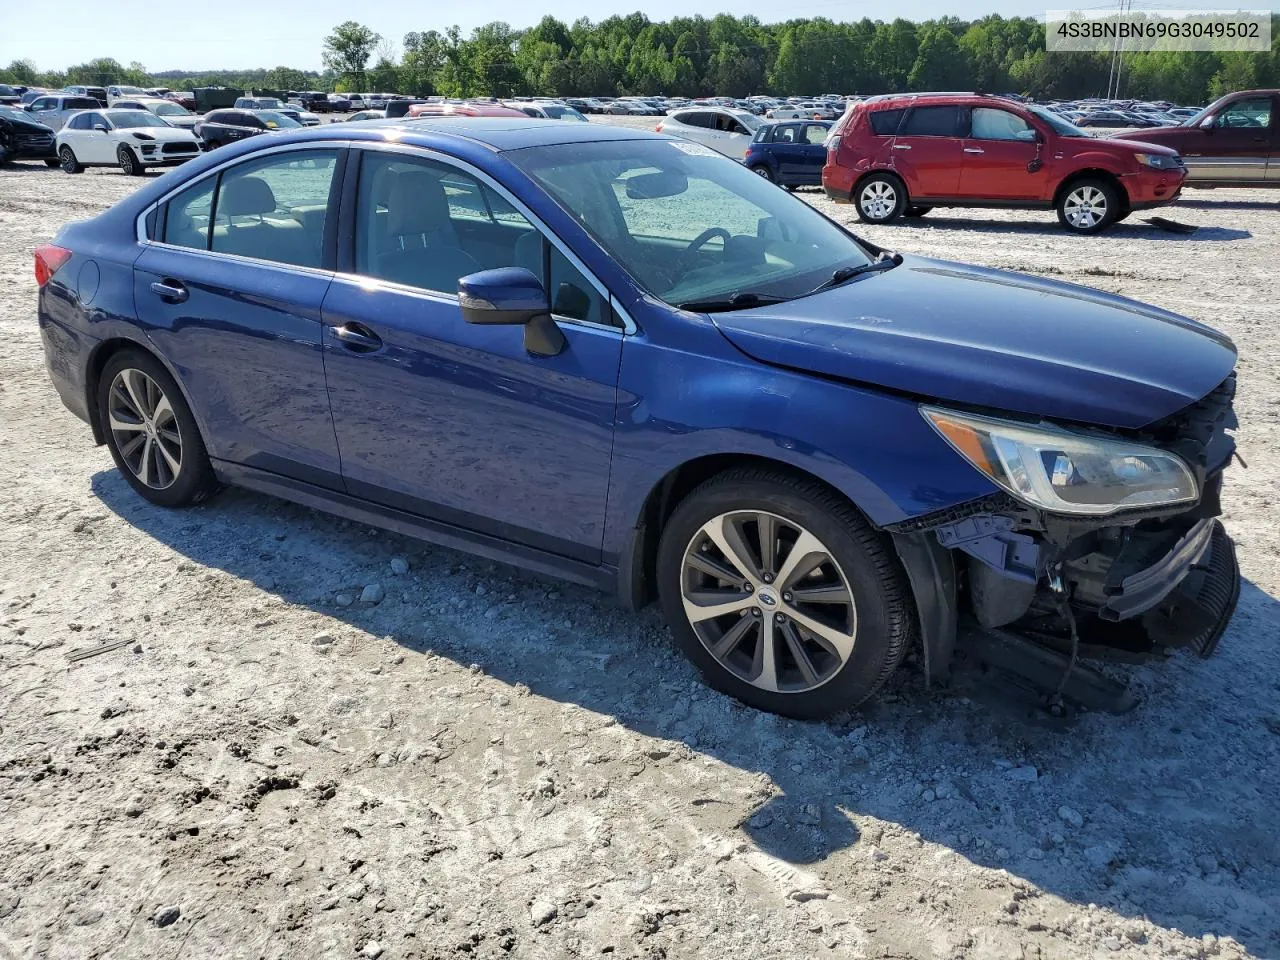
903, 155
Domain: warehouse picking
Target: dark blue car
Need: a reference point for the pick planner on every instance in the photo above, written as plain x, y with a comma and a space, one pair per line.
623, 359
790, 153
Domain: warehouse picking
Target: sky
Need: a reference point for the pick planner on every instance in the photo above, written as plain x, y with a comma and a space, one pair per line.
250, 33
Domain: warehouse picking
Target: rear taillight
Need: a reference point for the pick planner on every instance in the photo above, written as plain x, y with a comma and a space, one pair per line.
49, 260
833, 147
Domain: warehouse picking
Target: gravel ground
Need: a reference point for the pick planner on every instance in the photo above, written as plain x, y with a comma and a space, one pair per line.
306, 738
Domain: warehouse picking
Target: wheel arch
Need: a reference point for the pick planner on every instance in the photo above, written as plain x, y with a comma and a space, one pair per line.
637, 566
98, 359
1091, 173
886, 171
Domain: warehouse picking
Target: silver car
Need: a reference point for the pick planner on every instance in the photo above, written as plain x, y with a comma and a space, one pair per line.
172, 113
53, 109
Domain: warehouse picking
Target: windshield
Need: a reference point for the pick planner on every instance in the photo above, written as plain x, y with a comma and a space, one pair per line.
748, 120
689, 224
170, 110
131, 91
128, 119
1061, 125
277, 120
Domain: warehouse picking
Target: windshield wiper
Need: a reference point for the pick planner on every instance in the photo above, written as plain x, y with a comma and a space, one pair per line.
739, 301
887, 261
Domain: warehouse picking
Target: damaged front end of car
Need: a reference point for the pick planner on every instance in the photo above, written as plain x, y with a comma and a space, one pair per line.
1098, 545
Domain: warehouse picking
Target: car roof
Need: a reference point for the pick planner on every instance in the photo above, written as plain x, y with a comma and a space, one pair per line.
497, 133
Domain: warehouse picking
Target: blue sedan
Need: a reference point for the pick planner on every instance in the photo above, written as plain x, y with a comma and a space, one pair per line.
622, 359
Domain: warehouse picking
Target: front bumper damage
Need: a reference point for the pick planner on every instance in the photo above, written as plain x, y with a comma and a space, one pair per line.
1124, 587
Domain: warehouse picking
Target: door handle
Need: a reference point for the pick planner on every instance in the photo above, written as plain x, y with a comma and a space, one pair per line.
357, 337
170, 290
902, 146
973, 150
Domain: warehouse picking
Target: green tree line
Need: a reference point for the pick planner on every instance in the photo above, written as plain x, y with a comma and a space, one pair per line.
724, 55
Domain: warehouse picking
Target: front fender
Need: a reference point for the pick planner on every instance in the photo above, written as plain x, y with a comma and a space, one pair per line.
695, 396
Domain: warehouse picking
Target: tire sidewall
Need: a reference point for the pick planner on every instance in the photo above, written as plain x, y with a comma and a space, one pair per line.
1113, 206
865, 670
195, 479
68, 166
899, 190
763, 172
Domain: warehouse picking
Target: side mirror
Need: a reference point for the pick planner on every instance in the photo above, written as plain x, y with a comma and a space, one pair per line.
1208, 122
512, 296
100, 127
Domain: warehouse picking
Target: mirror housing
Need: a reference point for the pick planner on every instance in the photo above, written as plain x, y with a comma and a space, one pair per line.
101, 128
512, 296
1208, 122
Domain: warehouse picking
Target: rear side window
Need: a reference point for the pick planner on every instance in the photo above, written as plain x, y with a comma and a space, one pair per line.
934, 122
275, 208
697, 118
884, 123
80, 122
187, 216
816, 133
79, 103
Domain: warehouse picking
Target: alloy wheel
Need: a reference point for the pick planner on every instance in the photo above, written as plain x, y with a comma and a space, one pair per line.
144, 428
1085, 207
126, 161
68, 160
768, 601
878, 199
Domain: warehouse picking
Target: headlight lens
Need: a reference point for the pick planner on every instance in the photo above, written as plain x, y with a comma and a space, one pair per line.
1064, 472
1157, 160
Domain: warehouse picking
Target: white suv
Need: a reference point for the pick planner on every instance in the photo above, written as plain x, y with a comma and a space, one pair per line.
723, 129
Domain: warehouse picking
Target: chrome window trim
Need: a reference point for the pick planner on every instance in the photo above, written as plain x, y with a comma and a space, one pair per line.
629, 326
140, 225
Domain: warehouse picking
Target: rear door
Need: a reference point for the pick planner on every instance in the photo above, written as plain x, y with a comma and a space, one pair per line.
231, 292
928, 151
786, 149
813, 154
1000, 146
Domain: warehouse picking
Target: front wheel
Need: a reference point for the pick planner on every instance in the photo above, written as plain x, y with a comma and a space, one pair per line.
1088, 206
68, 162
129, 163
880, 198
782, 595
152, 436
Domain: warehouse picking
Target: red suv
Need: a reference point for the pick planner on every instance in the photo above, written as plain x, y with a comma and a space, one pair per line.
903, 155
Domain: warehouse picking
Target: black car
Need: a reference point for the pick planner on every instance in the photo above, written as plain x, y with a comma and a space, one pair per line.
9, 95
22, 138
221, 127
316, 102
400, 108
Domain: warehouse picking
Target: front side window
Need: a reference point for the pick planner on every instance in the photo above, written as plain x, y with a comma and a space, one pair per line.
934, 122
688, 224
44, 103
1254, 113
275, 208
992, 124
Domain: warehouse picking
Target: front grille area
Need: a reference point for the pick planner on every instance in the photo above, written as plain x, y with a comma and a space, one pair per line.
34, 141
180, 148
1198, 433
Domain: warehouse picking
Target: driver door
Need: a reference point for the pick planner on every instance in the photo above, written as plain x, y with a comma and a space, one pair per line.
1238, 144
1000, 147
92, 145
453, 421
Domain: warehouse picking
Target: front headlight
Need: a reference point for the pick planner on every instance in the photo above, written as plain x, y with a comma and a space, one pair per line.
1064, 472
1157, 161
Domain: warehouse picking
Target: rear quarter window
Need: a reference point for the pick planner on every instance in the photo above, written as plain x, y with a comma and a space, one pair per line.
884, 123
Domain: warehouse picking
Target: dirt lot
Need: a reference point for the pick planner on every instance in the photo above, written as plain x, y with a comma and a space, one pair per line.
488, 764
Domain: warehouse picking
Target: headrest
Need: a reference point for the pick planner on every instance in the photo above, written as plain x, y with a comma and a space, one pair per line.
246, 196
416, 204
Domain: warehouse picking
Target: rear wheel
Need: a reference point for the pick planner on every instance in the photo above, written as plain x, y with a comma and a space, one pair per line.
916, 211
761, 170
1088, 206
68, 162
880, 198
152, 436
129, 162
781, 594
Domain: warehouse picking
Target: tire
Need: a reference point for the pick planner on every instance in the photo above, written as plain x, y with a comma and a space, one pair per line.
880, 198
915, 212
67, 160
52, 164
761, 170
148, 465
863, 638
1088, 206
129, 162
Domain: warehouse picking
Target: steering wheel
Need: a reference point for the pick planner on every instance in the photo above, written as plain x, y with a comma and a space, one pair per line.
708, 234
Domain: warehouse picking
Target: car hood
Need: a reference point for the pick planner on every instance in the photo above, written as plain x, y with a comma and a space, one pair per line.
1137, 140
973, 336
1168, 137
29, 126
161, 133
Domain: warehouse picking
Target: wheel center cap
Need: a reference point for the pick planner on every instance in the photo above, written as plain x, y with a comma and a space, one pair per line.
767, 597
